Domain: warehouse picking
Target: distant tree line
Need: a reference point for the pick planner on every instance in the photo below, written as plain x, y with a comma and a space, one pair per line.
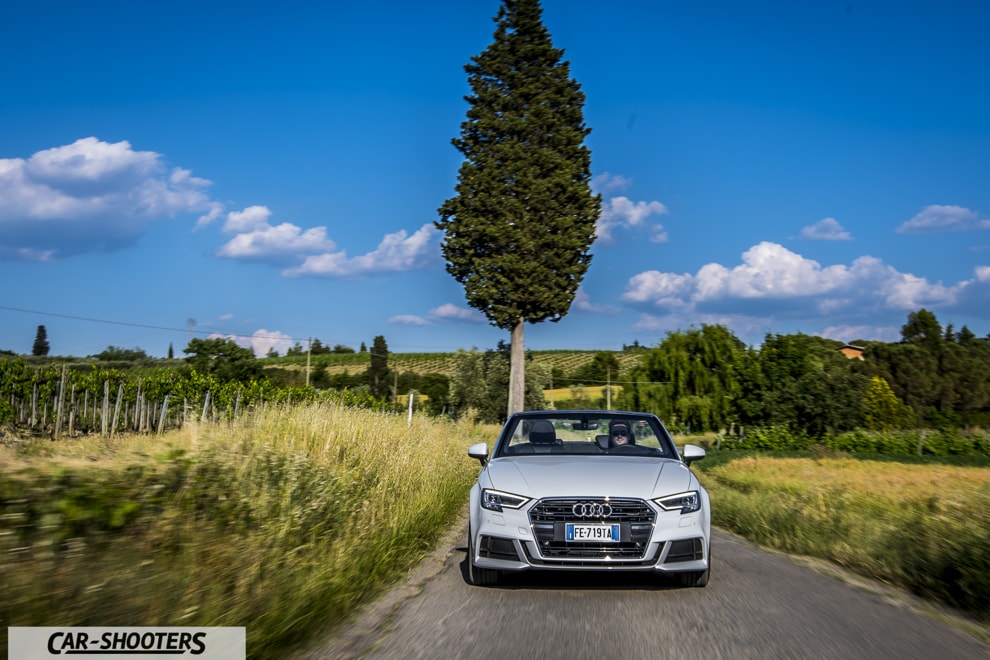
697, 380
708, 380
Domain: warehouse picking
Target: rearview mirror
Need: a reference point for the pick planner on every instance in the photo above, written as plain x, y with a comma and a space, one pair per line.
584, 426
692, 453
479, 451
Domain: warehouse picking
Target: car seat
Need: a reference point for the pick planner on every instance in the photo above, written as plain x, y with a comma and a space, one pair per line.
542, 433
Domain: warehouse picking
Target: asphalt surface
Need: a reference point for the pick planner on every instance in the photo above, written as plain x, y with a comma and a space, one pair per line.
758, 604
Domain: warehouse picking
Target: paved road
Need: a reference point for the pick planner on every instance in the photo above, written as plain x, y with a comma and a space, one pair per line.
757, 605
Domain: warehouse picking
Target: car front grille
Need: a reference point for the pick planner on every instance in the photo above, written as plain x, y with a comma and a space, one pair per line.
550, 516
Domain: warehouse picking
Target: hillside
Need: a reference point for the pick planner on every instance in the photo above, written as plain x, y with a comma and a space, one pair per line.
443, 363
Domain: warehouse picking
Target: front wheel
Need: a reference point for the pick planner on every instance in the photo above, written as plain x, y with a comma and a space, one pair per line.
697, 578
478, 576
694, 578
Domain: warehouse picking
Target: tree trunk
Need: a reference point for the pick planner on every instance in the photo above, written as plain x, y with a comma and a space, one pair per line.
517, 369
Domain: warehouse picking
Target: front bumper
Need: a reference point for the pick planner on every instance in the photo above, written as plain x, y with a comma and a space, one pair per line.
651, 539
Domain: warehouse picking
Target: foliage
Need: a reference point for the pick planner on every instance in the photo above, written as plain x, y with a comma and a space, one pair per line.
518, 232
688, 379
222, 359
952, 442
706, 380
942, 377
881, 409
41, 345
379, 376
480, 384
118, 354
922, 329
603, 368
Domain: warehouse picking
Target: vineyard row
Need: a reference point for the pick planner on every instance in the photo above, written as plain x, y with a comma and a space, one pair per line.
55, 402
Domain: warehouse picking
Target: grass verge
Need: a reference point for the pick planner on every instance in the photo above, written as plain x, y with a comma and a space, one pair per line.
283, 522
921, 527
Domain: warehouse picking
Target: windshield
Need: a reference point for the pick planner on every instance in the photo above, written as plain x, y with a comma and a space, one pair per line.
608, 433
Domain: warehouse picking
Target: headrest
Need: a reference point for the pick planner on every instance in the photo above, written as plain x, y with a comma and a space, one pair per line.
542, 433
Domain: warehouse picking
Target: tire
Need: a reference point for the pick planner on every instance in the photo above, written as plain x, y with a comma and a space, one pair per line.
478, 576
697, 578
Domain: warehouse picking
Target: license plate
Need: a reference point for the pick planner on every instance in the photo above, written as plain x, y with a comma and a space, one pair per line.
600, 533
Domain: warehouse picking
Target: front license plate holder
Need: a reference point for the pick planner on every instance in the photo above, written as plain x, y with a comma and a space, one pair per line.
591, 533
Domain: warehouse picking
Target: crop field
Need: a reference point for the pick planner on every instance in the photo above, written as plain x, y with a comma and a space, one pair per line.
921, 527
444, 363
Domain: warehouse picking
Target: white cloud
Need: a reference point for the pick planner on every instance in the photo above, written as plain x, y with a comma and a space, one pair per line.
443, 313
659, 235
89, 196
768, 270
622, 212
253, 218
939, 218
255, 238
262, 341
397, 252
258, 240
582, 302
215, 211
408, 319
451, 312
826, 229
848, 333
741, 324
610, 183
655, 286
774, 280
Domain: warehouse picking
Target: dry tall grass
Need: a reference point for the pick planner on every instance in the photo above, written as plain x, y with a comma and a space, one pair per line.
282, 522
922, 527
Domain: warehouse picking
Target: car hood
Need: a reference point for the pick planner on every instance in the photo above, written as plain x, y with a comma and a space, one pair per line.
589, 476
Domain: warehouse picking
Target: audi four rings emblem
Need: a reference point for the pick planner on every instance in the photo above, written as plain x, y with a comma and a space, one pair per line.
591, 510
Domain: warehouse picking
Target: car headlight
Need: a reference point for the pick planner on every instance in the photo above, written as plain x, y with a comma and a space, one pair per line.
496, 500
688, 502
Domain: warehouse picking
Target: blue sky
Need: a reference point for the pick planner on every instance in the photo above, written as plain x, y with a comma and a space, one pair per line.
271, 171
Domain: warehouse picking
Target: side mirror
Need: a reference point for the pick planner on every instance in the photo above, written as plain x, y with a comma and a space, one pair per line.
480, 451
692, 453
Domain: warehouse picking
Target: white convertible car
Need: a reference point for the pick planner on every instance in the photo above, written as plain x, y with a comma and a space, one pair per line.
581, 490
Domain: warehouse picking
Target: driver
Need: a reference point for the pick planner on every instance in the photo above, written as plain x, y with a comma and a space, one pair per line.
619, 434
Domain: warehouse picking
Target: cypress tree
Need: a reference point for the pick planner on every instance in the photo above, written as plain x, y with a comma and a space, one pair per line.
378, 372
519, 229
41, 346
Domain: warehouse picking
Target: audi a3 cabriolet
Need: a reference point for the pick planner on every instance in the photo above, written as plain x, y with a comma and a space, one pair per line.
578, 490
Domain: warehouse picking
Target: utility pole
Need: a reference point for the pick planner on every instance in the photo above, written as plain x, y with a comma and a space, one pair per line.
608, 388
309, 345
